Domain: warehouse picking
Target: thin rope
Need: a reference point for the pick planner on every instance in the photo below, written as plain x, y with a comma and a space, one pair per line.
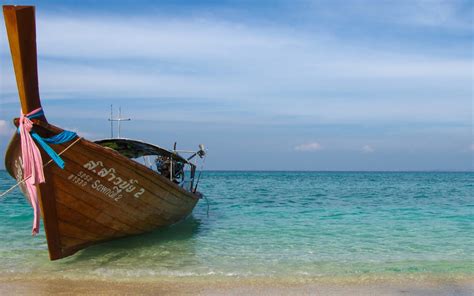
2, 196
200, 172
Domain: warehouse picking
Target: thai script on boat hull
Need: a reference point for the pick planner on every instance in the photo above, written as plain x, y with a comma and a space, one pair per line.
108, 175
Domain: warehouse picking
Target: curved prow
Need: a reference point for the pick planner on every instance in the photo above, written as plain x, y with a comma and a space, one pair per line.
21, 30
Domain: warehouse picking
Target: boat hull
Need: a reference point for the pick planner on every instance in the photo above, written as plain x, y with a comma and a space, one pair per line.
100, 195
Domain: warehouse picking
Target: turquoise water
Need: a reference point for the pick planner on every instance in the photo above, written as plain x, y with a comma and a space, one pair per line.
279, 224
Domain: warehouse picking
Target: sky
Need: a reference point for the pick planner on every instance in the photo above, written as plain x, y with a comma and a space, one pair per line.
265, 85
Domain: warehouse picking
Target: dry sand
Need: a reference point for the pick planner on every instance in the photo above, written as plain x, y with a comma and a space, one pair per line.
230, 286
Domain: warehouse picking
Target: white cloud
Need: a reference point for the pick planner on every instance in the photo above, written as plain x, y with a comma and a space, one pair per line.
367, 149
436, 13
308, 147
269, 71
446, 14
5, 128
157, 56
83, 134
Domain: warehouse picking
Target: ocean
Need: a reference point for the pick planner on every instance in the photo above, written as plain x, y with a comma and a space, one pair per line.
297, 225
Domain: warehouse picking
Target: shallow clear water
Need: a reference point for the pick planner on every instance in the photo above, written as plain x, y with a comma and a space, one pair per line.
279, 224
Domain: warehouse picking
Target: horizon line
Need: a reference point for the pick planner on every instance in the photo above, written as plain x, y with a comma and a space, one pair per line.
334, 171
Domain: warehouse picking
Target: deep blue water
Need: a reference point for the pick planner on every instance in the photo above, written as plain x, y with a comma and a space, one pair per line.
288, 224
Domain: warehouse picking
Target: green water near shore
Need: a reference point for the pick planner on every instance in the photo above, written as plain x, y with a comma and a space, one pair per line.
302, 225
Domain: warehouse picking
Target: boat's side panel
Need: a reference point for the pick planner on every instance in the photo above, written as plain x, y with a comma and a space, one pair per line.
101, 195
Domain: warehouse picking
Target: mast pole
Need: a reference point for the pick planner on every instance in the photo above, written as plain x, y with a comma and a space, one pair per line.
111, 121
21, 31
119, 119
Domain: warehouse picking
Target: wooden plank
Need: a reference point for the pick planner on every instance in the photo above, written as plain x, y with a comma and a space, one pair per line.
68, 242
154, 197
78, 219
132, 215
21, 31
96, 205
50, 218
69, 230
142, 170
155, 192
92, 213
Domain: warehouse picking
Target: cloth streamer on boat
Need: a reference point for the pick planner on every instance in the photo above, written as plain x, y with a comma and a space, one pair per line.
31, 157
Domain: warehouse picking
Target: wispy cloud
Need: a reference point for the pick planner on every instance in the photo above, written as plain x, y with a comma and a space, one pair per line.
5, 128
368, 149
81, 133
225, 61
453, 14
308, 147
436, 13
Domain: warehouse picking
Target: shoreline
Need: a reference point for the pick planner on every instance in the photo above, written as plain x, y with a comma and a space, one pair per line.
233, 286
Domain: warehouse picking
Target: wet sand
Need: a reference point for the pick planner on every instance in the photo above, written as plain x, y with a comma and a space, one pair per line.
230, 286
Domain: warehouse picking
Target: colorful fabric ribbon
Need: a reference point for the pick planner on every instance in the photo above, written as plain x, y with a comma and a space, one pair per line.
32, 161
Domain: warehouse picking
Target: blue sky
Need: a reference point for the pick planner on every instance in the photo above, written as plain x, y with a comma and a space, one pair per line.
266, 85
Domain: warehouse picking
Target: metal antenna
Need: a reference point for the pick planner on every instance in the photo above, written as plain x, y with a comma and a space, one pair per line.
111, 119
119, 119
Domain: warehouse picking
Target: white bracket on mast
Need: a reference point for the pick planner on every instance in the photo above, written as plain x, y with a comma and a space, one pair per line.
118, 119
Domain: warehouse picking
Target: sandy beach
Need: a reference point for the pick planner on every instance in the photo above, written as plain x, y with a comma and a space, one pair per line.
233, 286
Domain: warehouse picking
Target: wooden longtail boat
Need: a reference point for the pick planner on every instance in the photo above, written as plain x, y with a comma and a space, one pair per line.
102, 192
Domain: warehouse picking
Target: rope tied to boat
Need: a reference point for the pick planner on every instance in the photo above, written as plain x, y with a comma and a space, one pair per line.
31, 158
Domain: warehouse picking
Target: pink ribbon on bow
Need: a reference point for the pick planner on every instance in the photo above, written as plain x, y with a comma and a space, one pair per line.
32, 165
